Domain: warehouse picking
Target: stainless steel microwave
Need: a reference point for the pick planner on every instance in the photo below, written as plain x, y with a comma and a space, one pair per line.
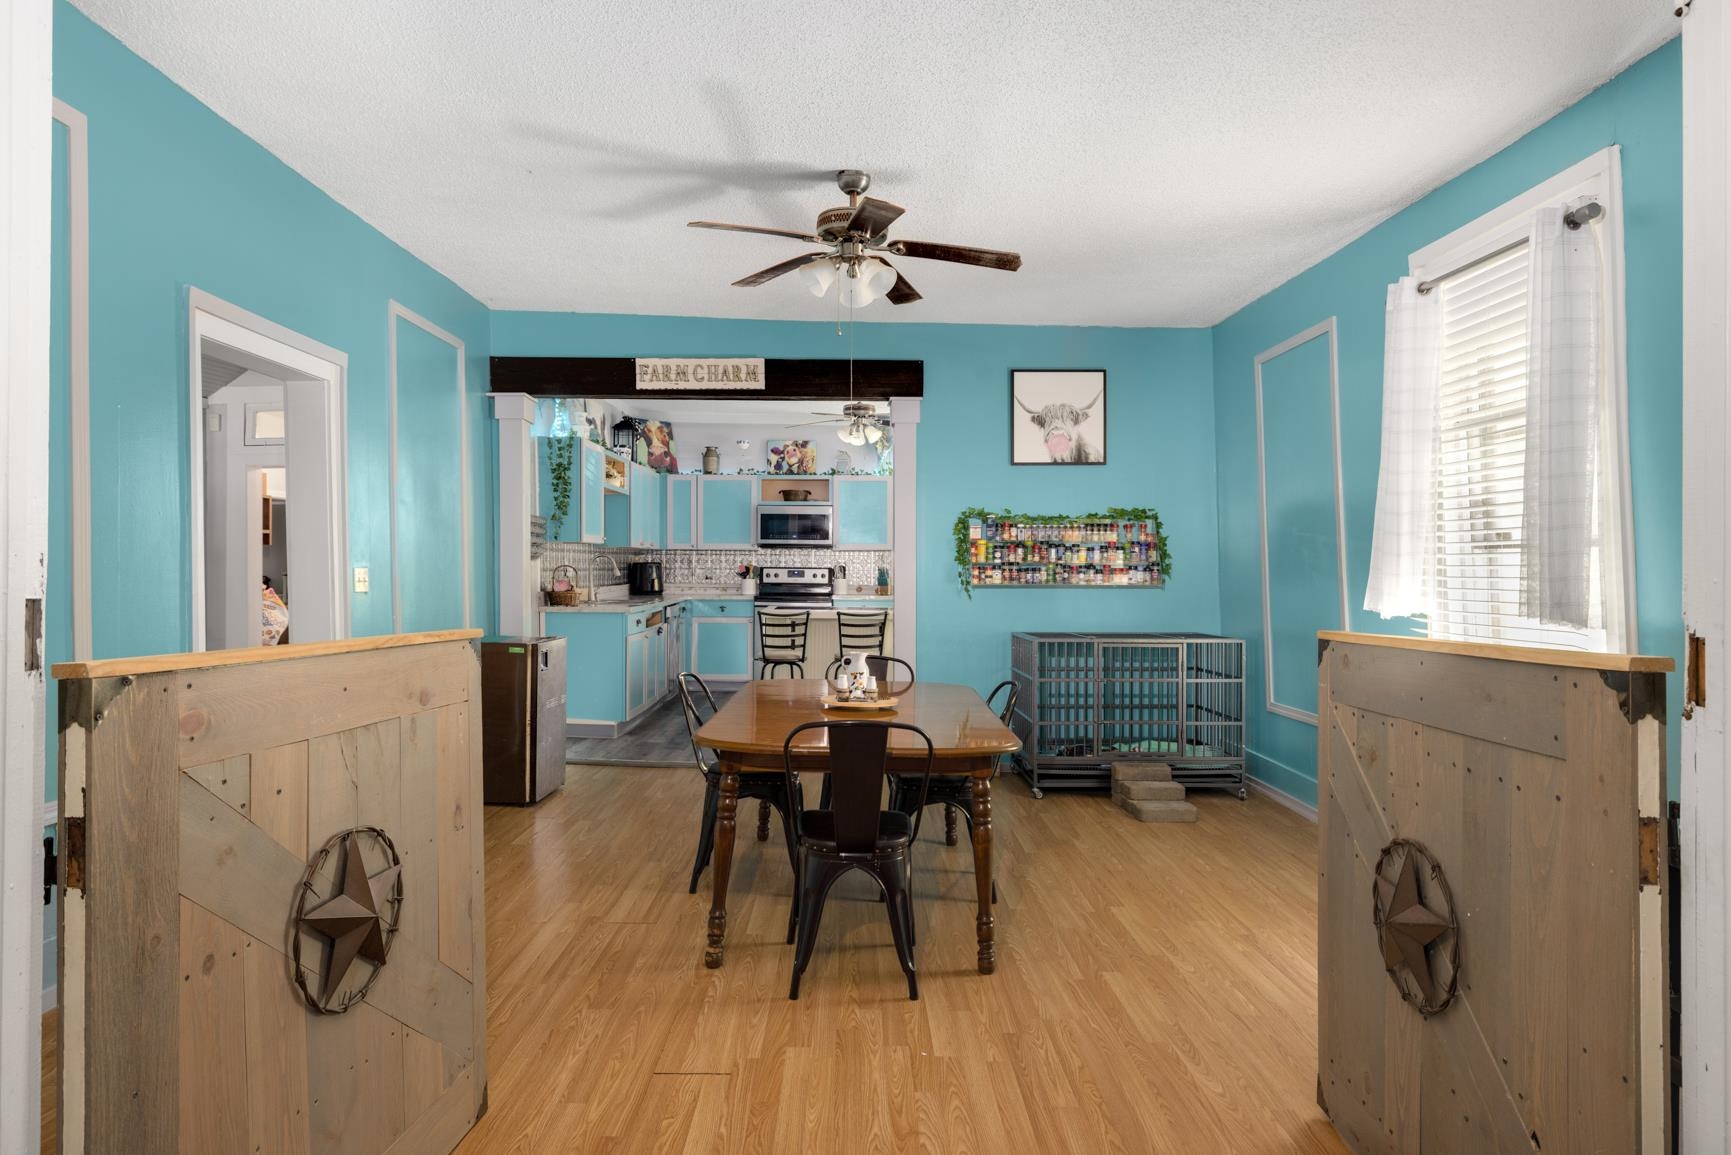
808, 524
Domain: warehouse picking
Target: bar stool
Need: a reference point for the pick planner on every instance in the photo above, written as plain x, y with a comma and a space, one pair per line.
781, 638
861, 631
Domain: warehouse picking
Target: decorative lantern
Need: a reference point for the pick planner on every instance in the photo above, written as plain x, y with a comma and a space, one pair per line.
626, 433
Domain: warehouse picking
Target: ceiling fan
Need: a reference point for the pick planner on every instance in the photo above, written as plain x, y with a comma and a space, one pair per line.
859, 423
853, 235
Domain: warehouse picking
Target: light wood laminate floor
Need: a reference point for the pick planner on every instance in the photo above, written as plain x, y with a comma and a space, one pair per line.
1156, 987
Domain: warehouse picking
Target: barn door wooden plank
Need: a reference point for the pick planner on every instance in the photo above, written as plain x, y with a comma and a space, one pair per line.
230, 780
278, 1122
235, 709
443, 1125
279, 795
1600, 821
477, 884
418, 844
213, 1091
1539, 850
132, 914
456, 811
424, 1073
355, 1077
1505, 702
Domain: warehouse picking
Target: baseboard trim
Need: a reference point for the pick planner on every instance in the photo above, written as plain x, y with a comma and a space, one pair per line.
1282, 798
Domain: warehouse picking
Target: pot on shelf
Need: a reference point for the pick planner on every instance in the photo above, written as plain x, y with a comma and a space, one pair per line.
796, 495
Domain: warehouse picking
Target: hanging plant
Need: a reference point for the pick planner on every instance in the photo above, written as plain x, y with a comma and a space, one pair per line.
963, 542
559, 457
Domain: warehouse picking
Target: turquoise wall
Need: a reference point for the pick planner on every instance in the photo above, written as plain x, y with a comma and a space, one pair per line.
1160, 453
1641, 110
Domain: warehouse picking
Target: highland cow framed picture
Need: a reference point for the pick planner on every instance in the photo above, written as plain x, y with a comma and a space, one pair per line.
1057, 417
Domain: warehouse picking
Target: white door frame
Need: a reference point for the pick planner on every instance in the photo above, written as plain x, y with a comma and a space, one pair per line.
1704, 1125
26, 173
317, 366
393, 313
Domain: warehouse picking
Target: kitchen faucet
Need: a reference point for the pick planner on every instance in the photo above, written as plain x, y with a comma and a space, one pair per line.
608, 558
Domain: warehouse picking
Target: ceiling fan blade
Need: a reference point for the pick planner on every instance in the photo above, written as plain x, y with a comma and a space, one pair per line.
872, 217
961, 254
808, 424
901, 293
774, 271
789, 233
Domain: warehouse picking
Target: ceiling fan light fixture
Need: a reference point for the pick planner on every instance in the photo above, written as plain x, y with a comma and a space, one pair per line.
852, 433
818, 277
864, 281
874, 432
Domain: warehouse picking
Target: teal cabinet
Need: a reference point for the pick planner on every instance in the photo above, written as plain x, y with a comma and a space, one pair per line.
585, 520
721, 639
680, 511
634, 518
637, 676
863, 512
724, 512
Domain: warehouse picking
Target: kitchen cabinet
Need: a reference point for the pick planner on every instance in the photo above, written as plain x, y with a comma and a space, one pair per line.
678, 643
637, 676
724, 512
585, 520
863, 513
680, 511
721, 640
634, 518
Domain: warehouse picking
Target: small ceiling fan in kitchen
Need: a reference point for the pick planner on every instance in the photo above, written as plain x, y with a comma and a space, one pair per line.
859, 421
856, 243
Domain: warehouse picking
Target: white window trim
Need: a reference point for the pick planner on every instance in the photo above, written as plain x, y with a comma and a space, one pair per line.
1598, 177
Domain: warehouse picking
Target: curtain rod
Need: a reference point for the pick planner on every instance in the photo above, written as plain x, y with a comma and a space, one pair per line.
1573, 219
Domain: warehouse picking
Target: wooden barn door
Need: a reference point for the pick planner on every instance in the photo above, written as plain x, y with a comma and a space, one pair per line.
199, 801
1536, 790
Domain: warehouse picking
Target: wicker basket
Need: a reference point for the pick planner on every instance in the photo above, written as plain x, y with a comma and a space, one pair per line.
563, 597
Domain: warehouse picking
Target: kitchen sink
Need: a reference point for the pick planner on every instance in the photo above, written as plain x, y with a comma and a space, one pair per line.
616, 593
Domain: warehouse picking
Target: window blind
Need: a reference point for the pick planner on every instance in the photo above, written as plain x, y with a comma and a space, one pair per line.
1480, 461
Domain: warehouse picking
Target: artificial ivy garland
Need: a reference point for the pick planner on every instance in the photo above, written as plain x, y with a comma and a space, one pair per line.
964, 572
559, 456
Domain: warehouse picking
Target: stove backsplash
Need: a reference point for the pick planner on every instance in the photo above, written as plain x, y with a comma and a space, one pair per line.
708, 567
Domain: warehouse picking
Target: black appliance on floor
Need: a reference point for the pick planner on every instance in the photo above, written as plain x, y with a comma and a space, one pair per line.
645, 578
522, 719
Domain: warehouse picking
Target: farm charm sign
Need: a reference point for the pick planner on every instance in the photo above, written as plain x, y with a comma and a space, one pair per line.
673, 373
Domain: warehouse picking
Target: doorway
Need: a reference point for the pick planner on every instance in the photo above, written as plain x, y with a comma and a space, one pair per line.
268, 408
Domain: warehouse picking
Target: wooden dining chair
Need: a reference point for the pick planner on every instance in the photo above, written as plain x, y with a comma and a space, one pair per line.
769, 786
956, 792
855, 833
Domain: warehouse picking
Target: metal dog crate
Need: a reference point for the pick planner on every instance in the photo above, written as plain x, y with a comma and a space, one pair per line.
1085, 701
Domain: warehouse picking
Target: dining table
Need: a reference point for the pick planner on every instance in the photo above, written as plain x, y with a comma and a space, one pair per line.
748, 731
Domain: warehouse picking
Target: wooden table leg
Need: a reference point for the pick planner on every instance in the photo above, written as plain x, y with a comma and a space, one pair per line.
722, 866
982, 873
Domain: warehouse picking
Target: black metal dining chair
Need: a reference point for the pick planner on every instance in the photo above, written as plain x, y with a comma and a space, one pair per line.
861, 631
769, 786
781, 636
885, 669
956, 792
854, 832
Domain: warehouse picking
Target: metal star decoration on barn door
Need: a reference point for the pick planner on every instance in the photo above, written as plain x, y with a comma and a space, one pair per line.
358, 922
1410, 930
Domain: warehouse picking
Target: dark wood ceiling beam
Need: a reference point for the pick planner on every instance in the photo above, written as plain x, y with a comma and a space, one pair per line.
785, 379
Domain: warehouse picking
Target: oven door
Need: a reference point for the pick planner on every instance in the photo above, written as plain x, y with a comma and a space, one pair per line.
789, 523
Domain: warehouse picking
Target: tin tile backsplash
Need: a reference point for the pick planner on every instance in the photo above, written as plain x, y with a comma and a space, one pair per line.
707, 567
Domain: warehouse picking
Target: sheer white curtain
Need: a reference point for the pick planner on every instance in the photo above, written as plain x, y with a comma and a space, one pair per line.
1403, 544
1571, 564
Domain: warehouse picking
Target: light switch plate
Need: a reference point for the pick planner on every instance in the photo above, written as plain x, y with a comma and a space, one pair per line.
362, 582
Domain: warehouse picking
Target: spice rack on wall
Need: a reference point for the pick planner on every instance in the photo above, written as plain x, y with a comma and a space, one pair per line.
1118, 549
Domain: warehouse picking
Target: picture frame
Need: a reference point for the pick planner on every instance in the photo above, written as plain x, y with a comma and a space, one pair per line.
1057, 417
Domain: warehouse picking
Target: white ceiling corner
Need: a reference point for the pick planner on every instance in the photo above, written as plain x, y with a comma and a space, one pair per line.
1155, 164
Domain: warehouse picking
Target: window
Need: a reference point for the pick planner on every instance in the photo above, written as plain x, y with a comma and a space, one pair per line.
1495, 533
1481, 463
264, 424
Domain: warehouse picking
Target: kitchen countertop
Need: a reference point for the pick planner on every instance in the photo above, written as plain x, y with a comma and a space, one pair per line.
709, 594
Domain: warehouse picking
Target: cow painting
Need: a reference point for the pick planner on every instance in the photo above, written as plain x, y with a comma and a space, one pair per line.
1059, 432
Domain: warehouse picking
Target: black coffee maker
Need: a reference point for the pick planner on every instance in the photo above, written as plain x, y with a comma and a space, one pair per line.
645, 578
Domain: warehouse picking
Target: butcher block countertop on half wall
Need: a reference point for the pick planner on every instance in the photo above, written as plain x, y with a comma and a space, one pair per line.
211, 802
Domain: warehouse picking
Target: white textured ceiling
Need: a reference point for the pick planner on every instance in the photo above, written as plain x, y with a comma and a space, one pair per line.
1156, 163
